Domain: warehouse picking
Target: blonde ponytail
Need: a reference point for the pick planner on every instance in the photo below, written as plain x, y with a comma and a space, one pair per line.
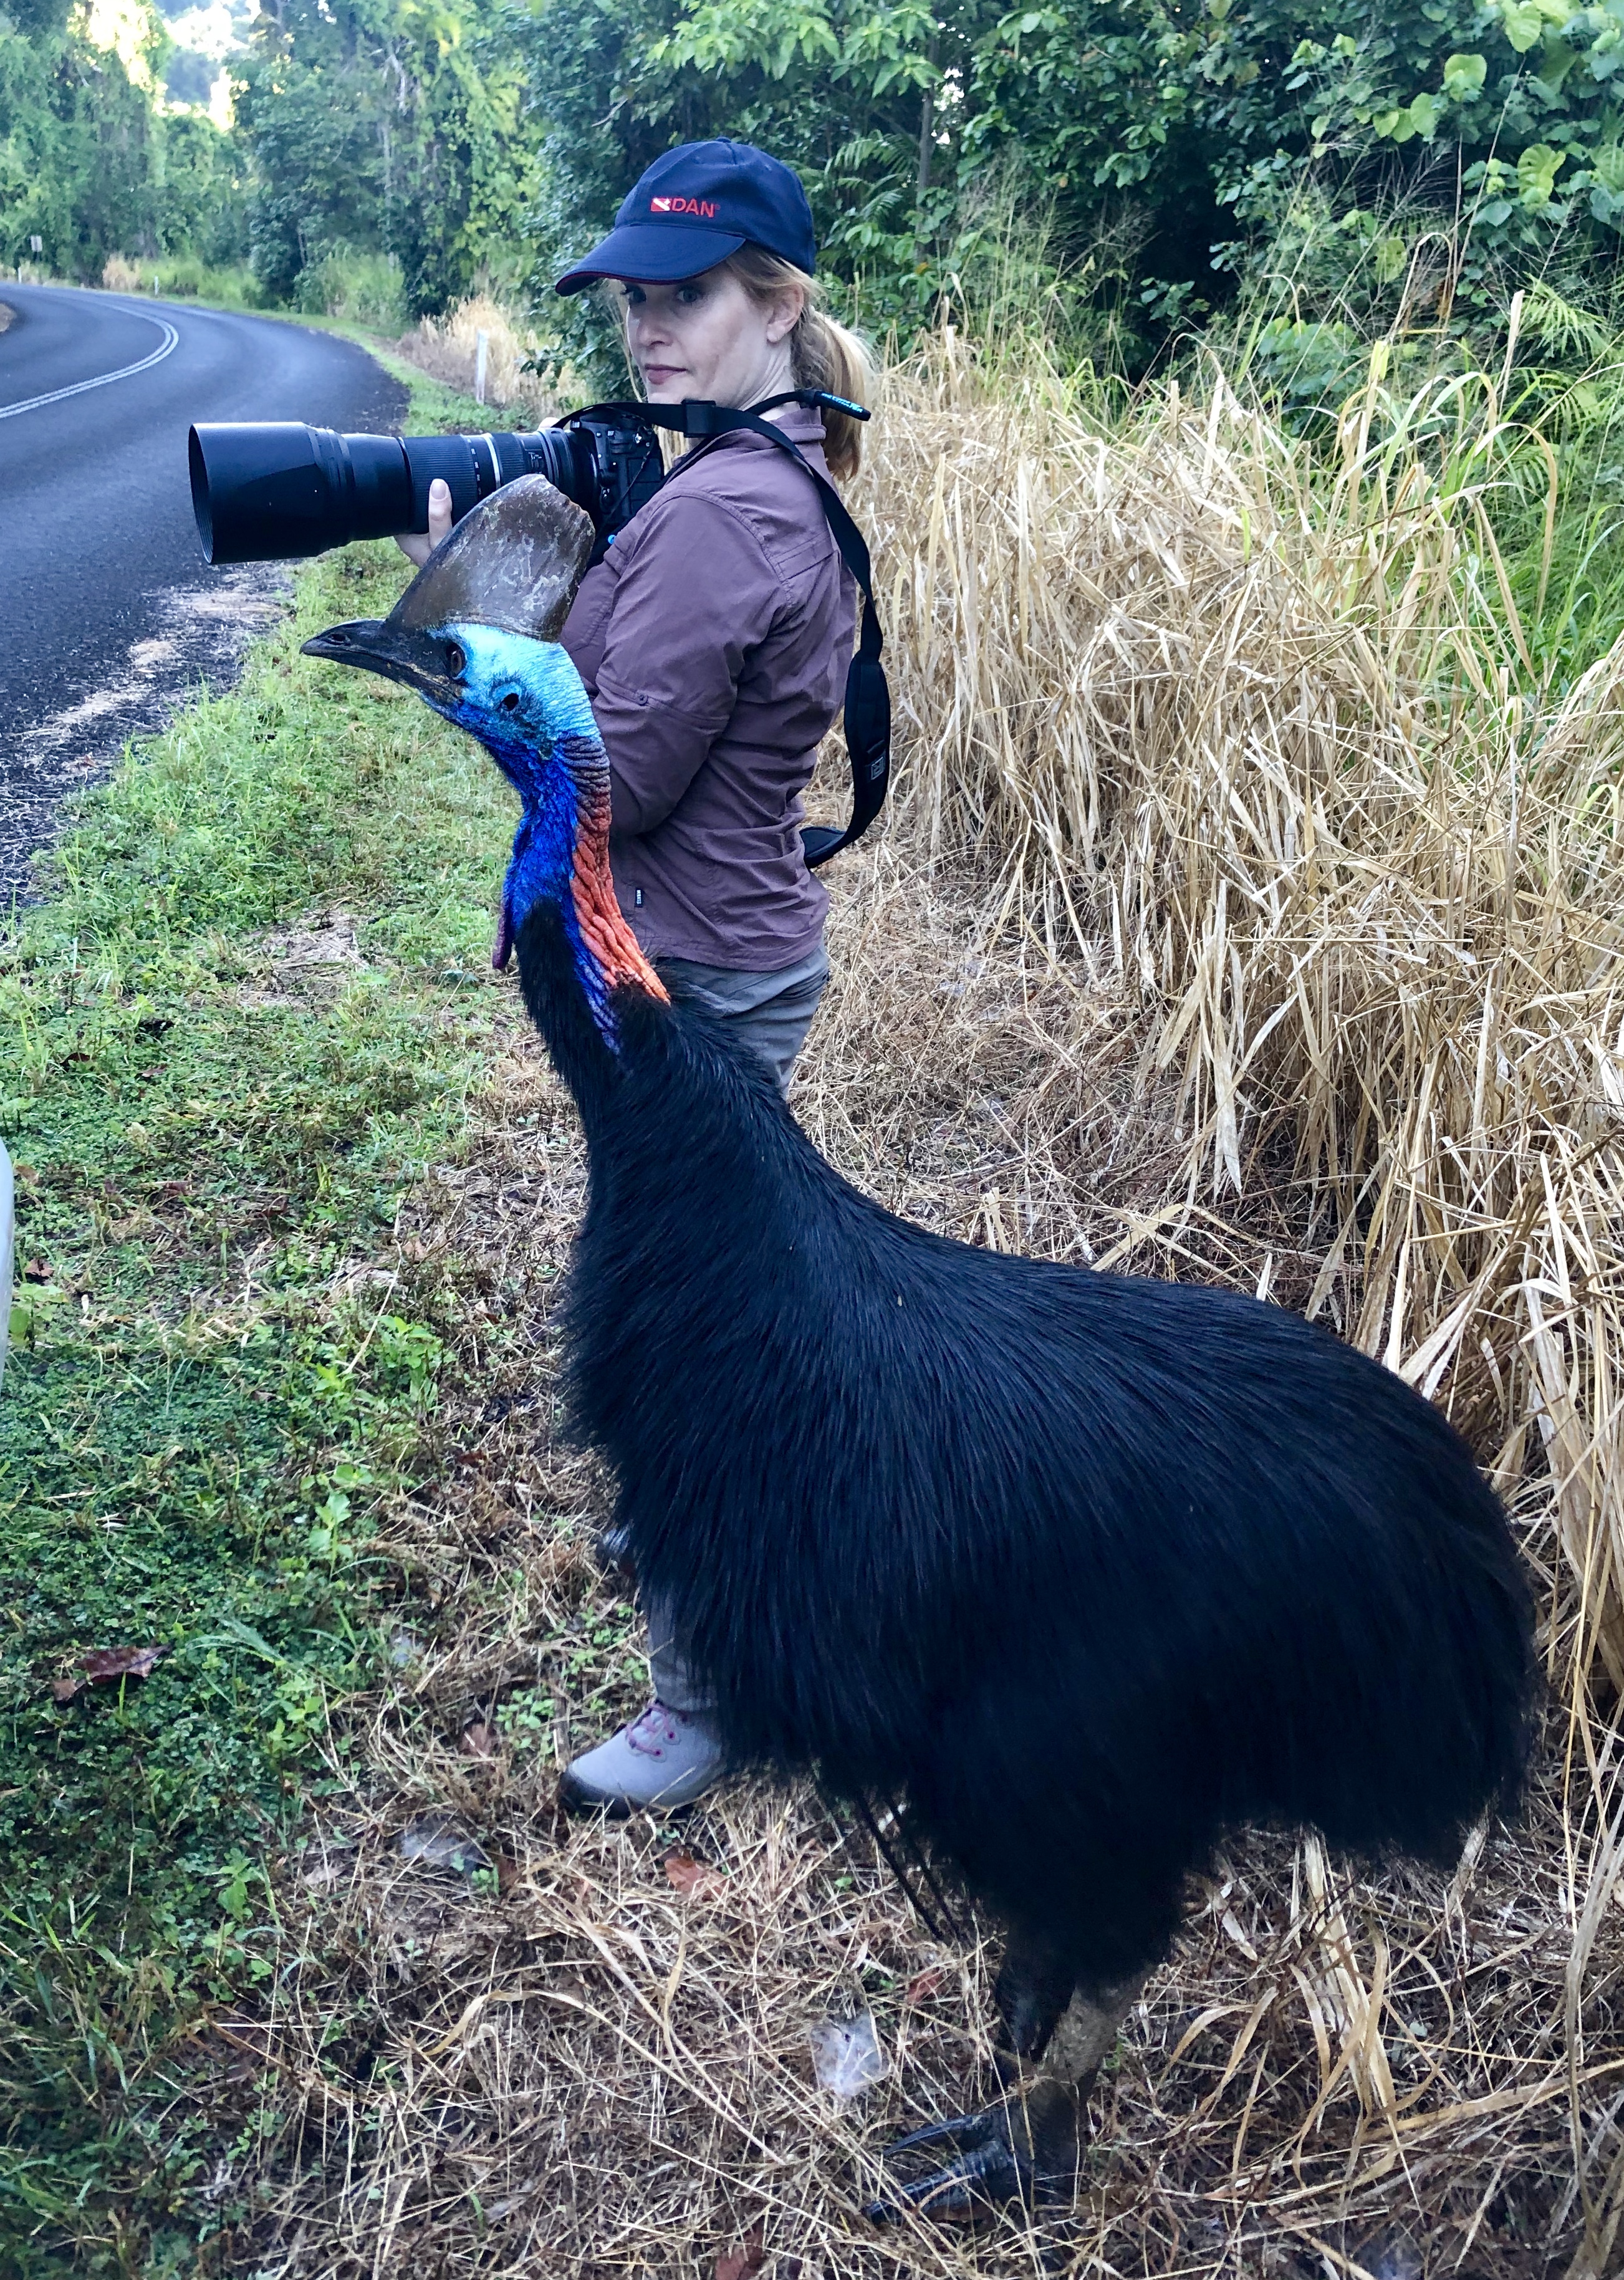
822, 353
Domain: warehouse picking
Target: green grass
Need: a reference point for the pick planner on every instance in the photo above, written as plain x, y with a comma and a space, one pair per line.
220, 285
210, 1393
436, 409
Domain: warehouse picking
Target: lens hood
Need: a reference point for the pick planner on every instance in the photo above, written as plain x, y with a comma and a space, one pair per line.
277, 490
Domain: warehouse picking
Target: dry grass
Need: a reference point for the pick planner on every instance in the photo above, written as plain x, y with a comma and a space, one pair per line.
1237, 919
1247, 747
1271, 755
521, 378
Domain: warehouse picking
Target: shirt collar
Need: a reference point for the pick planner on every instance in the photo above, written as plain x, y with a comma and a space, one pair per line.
803, 423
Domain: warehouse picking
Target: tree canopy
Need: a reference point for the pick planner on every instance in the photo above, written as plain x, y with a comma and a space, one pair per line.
1181, 143
91, 165
1164, 149
398, 128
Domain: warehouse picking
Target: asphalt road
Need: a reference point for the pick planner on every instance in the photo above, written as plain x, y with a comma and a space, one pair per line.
111, 615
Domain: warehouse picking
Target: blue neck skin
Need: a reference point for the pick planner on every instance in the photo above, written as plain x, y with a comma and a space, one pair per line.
526, 704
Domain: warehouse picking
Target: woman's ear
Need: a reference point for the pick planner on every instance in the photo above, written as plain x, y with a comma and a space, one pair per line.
785, 313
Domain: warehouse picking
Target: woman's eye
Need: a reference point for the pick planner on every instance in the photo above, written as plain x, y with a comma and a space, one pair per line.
690, 295
455, 663
635, 296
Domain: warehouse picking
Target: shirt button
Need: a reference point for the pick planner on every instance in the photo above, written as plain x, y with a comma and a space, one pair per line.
642, 700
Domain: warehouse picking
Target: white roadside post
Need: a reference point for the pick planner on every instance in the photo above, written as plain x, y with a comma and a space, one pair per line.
482, 349
8, 1252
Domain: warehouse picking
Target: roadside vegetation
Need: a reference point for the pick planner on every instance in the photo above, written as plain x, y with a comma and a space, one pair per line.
1168, 168
1247, 507
249, 1014
1247, 909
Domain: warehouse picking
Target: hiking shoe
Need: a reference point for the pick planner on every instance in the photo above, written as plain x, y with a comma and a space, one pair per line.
665, 1757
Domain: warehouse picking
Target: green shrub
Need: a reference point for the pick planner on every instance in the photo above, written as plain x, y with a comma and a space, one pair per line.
363, 289
187, 277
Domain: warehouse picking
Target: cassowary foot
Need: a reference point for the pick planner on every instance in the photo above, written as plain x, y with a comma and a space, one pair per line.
613, 1550
1028, 2149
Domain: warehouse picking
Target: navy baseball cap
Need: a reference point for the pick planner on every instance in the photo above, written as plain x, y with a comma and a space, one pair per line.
694, 207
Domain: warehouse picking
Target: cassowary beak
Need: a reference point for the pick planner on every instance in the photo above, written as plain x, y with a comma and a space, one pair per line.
512, 563
403, 653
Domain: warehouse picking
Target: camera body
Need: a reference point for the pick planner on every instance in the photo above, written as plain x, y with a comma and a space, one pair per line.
617, 465
279, 491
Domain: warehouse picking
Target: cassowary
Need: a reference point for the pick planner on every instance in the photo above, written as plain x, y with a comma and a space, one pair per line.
1087, 1569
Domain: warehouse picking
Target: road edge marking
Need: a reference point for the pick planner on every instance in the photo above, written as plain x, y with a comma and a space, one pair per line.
170, 340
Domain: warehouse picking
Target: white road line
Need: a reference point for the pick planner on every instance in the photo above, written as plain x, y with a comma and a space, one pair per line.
171, 340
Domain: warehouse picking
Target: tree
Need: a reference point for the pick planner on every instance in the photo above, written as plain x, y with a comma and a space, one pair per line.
1192, 130
866, 101
89, 165
385, 126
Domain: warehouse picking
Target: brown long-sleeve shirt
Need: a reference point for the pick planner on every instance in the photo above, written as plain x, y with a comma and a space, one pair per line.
714, 640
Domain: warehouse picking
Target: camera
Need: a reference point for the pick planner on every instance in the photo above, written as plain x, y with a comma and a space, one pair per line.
276, 491
279, 491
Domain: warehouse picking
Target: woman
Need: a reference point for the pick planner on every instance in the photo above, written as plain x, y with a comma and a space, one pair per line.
714, 640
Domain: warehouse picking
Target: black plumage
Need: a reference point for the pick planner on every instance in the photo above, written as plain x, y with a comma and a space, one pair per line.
1087, 1570
1090, 1569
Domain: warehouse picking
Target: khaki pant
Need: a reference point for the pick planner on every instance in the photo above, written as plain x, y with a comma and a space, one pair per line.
771, 1012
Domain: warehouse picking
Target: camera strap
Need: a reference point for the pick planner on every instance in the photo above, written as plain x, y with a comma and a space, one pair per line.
868, 697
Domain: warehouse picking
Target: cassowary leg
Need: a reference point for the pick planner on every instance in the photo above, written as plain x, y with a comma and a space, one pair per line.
1029, 2146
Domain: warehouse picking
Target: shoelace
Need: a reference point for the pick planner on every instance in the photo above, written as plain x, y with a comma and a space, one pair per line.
664, 1728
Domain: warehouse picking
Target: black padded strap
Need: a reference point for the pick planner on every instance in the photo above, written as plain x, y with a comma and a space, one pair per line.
868, 697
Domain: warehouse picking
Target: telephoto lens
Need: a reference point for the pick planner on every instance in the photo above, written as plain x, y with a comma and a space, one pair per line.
277, 491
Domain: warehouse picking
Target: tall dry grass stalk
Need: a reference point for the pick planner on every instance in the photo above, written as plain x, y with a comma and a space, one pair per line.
1261, 742
1265, 738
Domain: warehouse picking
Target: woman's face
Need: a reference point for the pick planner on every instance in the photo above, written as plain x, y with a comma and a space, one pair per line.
705, 336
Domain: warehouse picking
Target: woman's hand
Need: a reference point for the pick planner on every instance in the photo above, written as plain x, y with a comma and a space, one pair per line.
418, 545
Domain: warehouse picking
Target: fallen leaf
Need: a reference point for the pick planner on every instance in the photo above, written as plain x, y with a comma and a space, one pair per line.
441, 1846
924, 1984
241, 2048
35, 1270
252, 2036
478, 1740
108, 1663
508, 1874
695, 1880
1239, 1937
748, 2257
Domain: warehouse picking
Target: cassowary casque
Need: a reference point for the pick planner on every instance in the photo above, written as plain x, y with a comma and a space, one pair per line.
1087, 1569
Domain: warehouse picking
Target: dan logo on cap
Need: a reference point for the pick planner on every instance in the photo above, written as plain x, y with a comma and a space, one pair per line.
693, 208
